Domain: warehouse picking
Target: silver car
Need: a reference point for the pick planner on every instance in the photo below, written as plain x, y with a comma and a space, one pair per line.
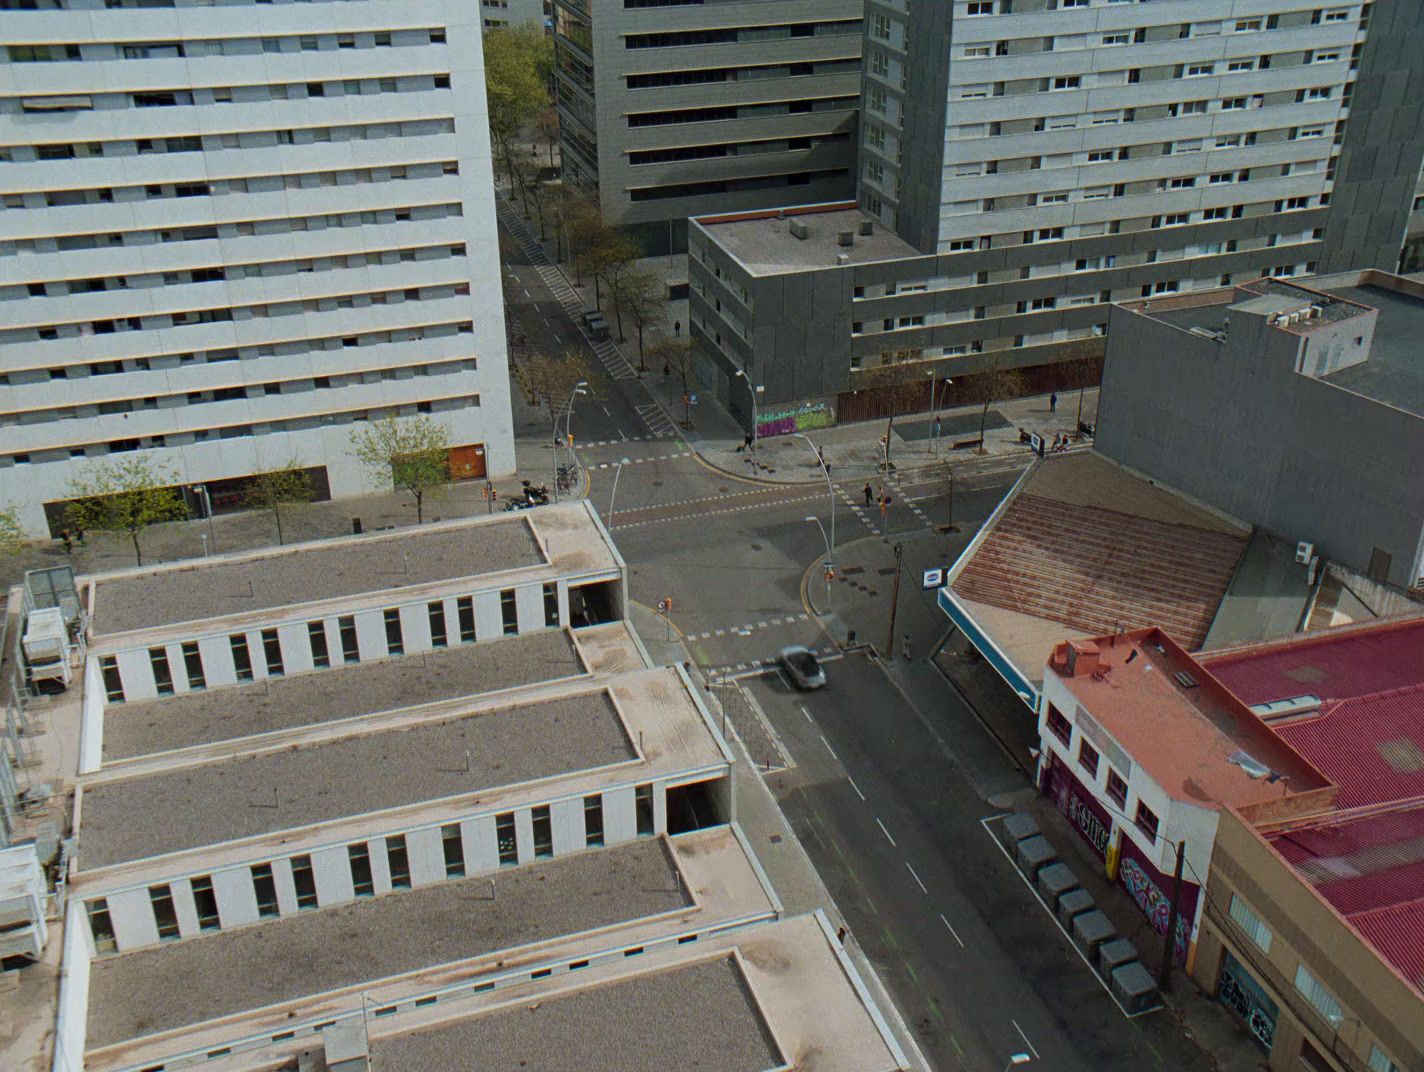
802, 667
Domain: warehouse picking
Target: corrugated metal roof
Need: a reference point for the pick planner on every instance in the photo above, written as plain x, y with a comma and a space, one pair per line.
1398, 933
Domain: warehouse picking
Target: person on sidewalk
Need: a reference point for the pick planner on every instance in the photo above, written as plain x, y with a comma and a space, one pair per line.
907, 650
868, 495
1053, 402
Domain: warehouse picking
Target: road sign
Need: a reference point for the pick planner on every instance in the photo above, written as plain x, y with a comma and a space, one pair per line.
933, 578
692, 400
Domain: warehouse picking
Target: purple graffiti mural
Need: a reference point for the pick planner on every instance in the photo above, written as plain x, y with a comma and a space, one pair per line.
1147, 887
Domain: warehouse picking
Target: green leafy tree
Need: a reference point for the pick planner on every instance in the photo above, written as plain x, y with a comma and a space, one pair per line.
124, 497
414, 454
12, 536
519, 61
287, 485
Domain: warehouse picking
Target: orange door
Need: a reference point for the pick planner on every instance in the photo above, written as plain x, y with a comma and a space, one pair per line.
467, 463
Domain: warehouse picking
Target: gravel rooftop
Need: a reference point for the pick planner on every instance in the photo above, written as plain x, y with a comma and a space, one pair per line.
197, 718
250, 795
699, 1016
218, 588
199, 979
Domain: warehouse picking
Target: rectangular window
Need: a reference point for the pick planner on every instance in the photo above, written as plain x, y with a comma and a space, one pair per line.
206, 902
350, 650
304, 881
465, 611
454, 846
1071, 81
593, 820
1088, 758
436, 613
359, 856
162, 675
241, 657
272, 652
398, 861
1147, 820
161, 898
1059, 726
643, 807
193, 664
1117, 788
1318, 996
543, 832
509, 612
113, 683
505, 839
551, 605
265, 887
101, 926
316, 637
395, 641
1251, 923
1379, 1060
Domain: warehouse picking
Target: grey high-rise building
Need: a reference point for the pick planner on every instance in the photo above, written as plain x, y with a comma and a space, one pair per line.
669, 109
1023, 163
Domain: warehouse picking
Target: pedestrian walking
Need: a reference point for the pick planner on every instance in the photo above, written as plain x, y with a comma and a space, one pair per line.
907, 651
1053, 402
79, 535
840, 936
868, 495
677, 327
67, 540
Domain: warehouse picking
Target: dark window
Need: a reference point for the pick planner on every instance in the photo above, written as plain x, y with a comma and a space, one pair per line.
398, 861
113, 683
1088, 758
395, 642
272, 650
551, 604
161, 897
101, 926
304, 881
193, 664
1117, 788
1146, 820
465, 608
504, 837
361, 878
543, 832
206, 902
241, 657
350, 650
162, 675
316, 637
454, 846
593, 820
509, 612
265, 886
436, 611
643, 806
1060, 726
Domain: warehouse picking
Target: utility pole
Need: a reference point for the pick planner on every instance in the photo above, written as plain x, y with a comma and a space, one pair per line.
951, 500
1169, 943
894, 604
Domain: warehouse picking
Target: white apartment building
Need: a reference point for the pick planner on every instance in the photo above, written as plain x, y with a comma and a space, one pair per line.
497, 13
234, 231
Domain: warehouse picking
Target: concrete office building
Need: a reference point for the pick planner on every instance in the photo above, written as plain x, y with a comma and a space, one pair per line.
1296, 407
1023, 163
669, 110
232, 233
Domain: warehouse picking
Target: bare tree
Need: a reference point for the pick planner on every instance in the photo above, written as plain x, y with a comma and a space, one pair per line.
997, 385
677, 357
550, 379
546, 123
640, 293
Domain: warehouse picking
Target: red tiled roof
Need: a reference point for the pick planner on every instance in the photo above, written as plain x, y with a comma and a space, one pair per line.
1398, 933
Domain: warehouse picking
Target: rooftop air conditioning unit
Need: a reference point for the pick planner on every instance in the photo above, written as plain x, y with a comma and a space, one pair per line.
845, 238
800, 230
842, 258
867, 227
1304, 551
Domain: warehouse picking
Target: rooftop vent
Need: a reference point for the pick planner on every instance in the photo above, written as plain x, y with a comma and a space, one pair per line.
1185, 679
845, 238
1249, 763
800, 230
867, 227
842, 258
1274, 710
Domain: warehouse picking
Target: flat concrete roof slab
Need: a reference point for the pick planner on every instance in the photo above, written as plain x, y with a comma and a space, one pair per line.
251, 795
199, 718
695, 1016
307, 573
136, 994
1394, 372
764, 245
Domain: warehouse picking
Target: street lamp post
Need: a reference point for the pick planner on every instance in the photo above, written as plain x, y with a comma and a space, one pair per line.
580, 388
614, 493
830, 561
753, 390
830, 489
934, 415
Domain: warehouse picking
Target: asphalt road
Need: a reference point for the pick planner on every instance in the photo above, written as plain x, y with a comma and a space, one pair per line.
889, 803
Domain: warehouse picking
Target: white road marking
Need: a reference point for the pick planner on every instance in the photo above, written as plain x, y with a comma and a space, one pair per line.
885, 832
1025, 1038
829, 749
606, 413
918, 881
855, 787
806, 713
954, 933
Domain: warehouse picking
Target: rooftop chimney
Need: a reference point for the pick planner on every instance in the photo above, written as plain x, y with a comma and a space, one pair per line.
846, 238
867, 227
1083, 658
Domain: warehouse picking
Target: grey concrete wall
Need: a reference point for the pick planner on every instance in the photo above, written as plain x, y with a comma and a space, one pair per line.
1235, 426
1384, 144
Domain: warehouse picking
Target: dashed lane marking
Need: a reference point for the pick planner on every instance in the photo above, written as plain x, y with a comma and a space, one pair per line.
885, 832
951, 930
915, 875
746, 630
641, 461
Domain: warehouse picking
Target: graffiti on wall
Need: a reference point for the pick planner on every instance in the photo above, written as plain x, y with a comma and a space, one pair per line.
801, 419
1155, 905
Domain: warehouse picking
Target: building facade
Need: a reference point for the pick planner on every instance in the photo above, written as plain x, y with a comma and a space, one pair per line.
497, 13
229, 240
670, 110
1044, 159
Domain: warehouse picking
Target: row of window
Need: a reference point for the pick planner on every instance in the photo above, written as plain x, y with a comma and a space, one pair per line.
735, 34
1089, 759
271, 644
358, 858
709, 75
1006, 7
197, 48
1140, 35
252, 94
714, 114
